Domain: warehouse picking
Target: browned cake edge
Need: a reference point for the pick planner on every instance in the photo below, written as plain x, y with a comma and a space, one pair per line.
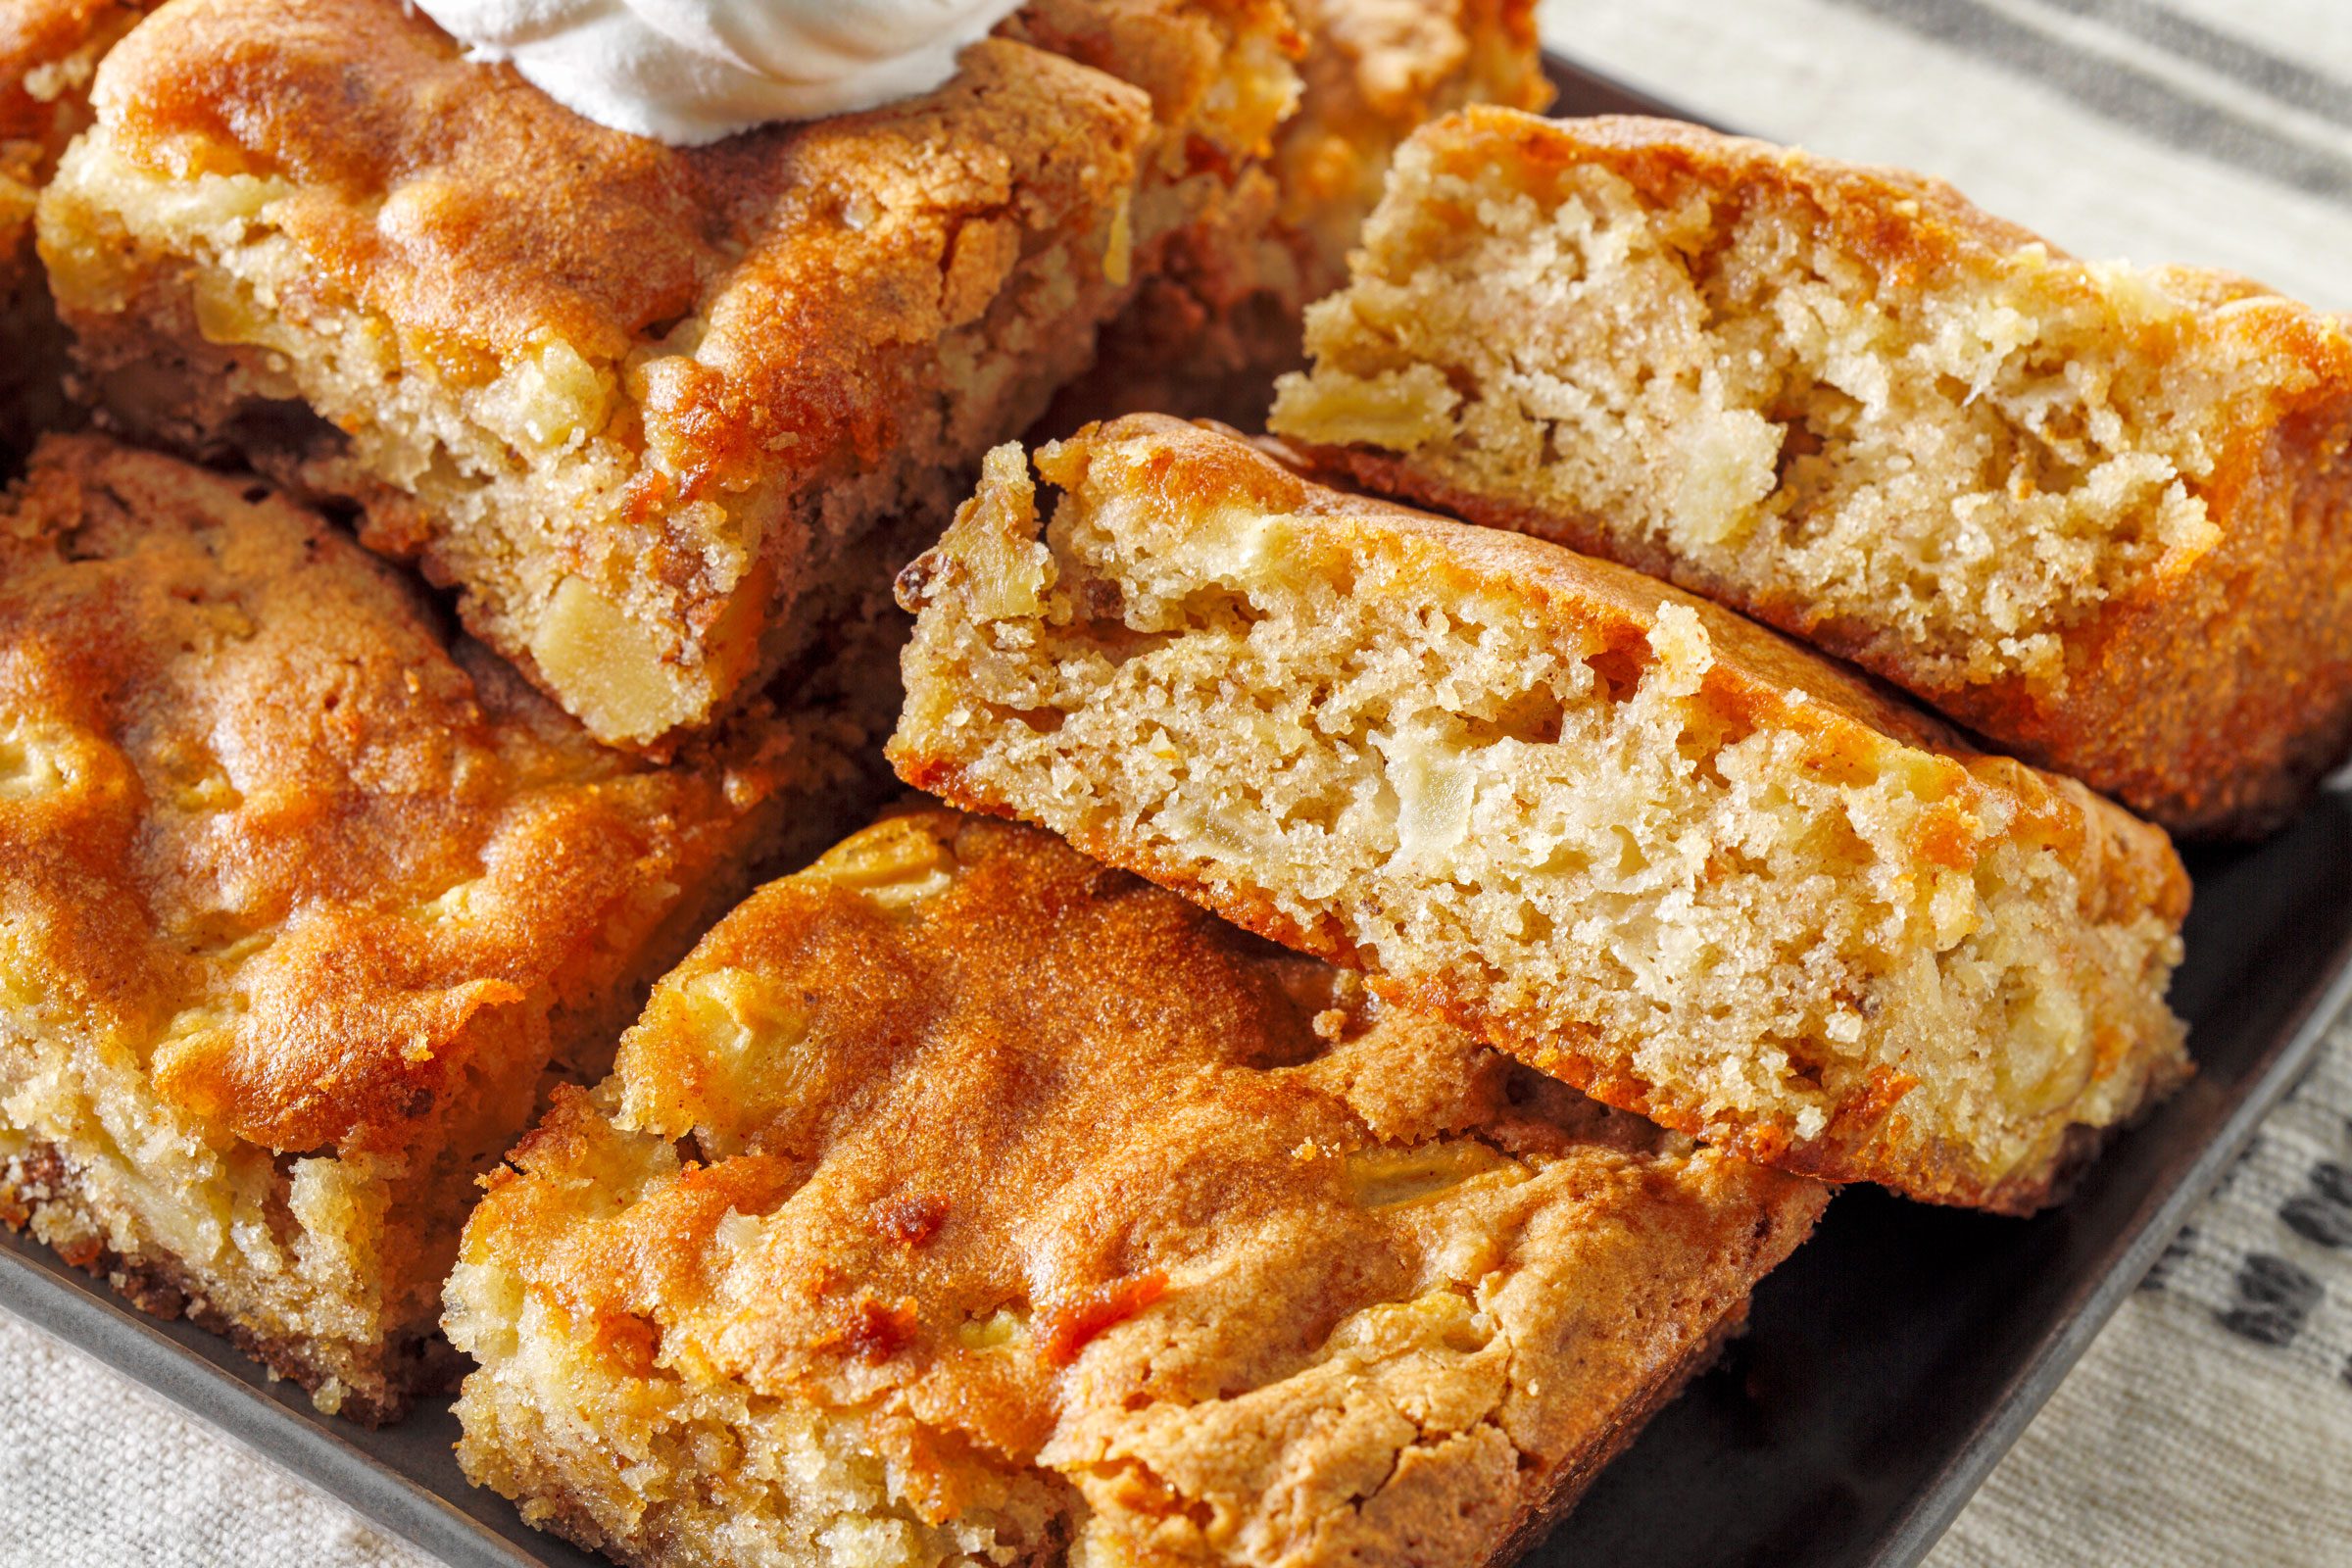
380, 1385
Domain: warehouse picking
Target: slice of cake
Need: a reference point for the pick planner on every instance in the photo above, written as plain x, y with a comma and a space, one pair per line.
1213, 323
650, 409
961, 1201
298, 899
2100, 514
1639, 842
49, 49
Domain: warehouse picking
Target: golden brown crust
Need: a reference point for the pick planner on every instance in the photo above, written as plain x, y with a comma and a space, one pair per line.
2214, 696
816, 327
338, 883
259, 733
513, 210
1237, 1214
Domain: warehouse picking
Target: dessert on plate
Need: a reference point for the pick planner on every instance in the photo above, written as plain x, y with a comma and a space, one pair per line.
963, 1201
300, 898
1647, 845
48, 51
653, 410
2100, 514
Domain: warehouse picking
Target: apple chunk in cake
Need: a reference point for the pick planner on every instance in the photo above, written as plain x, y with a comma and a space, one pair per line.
2100, 514
298, 899
961, 1201
1645, 845
651, 411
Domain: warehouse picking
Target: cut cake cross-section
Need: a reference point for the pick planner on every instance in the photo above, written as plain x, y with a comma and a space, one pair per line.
1689, 867
2099, 515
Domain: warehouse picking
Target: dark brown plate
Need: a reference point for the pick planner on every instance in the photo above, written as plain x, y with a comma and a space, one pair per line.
1887, 1365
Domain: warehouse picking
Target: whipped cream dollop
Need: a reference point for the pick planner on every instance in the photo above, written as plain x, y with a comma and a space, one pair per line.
689, 72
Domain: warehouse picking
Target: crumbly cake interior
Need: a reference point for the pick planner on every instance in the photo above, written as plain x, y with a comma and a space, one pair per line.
1647, 846
651, 477
303, 897
1946, 451
961, 1201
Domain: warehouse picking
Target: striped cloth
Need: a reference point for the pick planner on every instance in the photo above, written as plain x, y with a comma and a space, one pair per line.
2212, 1421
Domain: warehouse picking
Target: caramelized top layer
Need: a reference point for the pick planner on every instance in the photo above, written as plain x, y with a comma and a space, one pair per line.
47, 51
265, 826
1028, 1159
755, 293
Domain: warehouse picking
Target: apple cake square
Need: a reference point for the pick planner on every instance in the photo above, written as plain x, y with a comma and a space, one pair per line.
2101, 514
1696, 871
301, 897
653, 411
962, 1200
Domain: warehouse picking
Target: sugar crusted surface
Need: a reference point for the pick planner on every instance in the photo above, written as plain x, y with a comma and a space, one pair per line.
961, 1200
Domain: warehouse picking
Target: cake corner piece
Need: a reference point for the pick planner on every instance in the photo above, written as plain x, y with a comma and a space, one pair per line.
1648, 847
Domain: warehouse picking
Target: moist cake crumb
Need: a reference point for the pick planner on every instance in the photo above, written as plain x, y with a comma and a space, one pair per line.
1694, 869
2100, 514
